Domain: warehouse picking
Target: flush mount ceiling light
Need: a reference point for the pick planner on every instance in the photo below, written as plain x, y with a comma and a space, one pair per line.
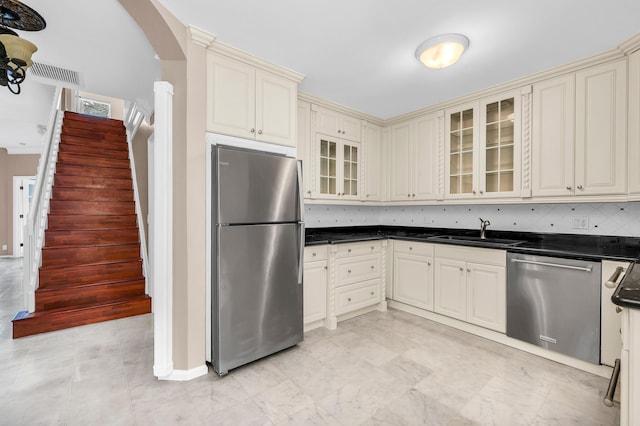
15, 52
442, 51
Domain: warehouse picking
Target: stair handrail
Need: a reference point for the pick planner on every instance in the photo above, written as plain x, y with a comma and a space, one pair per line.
132, 123
33, 232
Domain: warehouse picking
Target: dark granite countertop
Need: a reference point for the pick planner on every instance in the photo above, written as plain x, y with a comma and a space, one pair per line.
628, 292
590, 247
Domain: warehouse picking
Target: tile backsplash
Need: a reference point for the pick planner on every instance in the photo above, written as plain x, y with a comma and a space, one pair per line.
621, 219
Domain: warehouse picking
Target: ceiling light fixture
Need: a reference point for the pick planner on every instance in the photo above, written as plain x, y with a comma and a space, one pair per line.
15, 52
442, 51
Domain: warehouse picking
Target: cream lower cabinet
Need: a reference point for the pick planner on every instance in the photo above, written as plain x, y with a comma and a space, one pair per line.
357, 277
630, 368
413, 274
316, 265
470, 285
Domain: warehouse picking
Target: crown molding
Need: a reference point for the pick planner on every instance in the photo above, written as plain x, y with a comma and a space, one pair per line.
239, 55
630, 45
200, 36
314, 100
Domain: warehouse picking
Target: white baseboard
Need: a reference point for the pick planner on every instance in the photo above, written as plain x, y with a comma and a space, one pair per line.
186, 375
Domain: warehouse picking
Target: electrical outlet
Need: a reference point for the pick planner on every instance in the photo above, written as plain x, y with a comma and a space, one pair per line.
4, 247
580, 222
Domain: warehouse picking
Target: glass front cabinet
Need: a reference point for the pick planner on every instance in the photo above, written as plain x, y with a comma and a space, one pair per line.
483, 148
338, 168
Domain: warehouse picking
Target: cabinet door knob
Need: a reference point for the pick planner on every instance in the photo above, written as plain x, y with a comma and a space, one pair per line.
410, 248
308, 192
568, 188
474, 192
326, 267
408, 195
372, 293
259, 132
349, 250
461, 269
428, 263
413, 195
481, 192
468, 270
373, 267
580, 187
349, 299
252, 130
372, 247
349, 271
313, 254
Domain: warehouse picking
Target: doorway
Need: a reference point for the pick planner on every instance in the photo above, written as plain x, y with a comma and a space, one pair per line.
23, 189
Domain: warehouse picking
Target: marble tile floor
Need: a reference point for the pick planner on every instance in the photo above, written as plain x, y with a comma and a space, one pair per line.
388, 368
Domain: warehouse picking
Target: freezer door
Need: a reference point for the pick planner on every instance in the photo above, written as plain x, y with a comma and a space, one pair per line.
255, 187
257, 306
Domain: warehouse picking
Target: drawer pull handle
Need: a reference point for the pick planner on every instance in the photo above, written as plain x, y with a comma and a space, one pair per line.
410, 248
349, 250
461, 269
313, 254
372, 293
428, 263
613, 279
373, 267
372, 248
349, 270
349, 299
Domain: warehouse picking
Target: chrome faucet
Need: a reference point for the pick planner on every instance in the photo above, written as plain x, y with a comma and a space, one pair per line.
483, 227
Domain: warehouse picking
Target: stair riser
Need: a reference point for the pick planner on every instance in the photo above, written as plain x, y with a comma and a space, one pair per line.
47, 299
93, 134
83, 194
93, 151
82, 255
94, 125
105, 172
90, 162
70, 181
77, 117
77, 222
61, 320
92, 207
90, 273
94, 143
91, 237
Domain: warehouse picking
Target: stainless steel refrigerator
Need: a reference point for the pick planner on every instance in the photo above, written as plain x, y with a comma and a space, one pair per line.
257, 255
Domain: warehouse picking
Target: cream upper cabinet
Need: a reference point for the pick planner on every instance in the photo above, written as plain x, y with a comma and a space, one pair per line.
553, 137
248, 102
415, 170
633, 138
470, 285
413, 274
601, 128
483, 148
338, 165
372, 163
579, 133
336, 124
304, 146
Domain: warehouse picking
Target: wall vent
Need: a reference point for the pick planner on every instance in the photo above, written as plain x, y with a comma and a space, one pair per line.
56, 75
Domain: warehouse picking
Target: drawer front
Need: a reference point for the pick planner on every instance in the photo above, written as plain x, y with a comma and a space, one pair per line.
361, 268
472, 254
412, 247
356, 296
358, 249
313, 253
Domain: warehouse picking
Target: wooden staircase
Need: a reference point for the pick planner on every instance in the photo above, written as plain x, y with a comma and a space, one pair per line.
91, 267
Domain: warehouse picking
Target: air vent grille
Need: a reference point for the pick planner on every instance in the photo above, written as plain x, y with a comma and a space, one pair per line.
61, 76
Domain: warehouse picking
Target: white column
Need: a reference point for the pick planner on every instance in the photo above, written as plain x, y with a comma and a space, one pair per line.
161, 229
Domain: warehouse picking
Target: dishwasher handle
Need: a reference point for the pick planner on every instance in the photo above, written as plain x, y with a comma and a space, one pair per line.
554, 265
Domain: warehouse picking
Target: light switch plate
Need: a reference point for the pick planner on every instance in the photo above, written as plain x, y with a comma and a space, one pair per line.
4, 247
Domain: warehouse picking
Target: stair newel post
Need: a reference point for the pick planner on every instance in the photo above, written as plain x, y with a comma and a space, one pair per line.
161, 232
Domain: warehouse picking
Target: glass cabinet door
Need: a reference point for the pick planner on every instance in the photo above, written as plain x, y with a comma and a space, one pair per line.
461, 152
328, 167
350, 173
499, 146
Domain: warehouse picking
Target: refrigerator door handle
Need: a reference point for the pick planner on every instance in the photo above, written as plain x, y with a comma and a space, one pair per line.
301, 256
301, 219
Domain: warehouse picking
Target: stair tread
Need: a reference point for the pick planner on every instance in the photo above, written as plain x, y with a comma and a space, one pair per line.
85, 307
58, 287
107, 262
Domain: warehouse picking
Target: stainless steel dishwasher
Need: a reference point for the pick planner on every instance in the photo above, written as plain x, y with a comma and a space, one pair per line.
555, 303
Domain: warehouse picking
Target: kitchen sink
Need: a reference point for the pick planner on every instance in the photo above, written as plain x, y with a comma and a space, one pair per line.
475, 241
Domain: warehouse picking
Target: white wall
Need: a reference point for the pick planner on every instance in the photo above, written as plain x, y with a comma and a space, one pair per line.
603, 218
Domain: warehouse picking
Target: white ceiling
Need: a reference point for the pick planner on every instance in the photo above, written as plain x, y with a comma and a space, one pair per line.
358, 53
